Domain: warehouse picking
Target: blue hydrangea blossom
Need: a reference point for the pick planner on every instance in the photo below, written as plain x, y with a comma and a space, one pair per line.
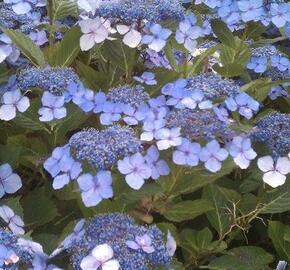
187, 153
53, 107
241, 150
212, 155
95, 188
114, 230
158, 166
244, 103
11, 102
9, 182
158, 38
135, 169
14, 222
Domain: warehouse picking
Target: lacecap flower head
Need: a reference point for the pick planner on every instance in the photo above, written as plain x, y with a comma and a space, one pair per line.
132, 246
104, 148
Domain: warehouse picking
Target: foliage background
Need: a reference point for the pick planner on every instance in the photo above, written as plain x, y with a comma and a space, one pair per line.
227, 220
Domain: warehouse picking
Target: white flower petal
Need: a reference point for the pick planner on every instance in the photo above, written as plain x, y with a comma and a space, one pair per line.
87, 42
266, 163
23, 104
134, 181
7, 112
274, 179
132, 38
103, 253
241, 161
283, 165
89, 263
111, 265
122, 29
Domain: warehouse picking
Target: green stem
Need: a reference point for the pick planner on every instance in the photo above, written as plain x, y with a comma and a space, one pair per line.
50, 8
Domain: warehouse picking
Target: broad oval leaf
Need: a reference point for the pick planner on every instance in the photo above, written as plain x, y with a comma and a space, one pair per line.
243, 258
26, 46
187, 210
68, 48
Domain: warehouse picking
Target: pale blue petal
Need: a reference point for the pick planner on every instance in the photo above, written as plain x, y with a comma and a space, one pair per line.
60, 181
12, 183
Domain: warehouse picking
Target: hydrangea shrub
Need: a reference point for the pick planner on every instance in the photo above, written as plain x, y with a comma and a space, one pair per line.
143, 135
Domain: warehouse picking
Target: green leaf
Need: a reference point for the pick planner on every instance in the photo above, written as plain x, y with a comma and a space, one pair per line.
279, 234
275, 201
65, 8
248, 203
233, 60
199, 243
92, 78
119, 55
68, 48
223, 33
242, 258
33, 149
196, 241
243, 52
75, 118
229, 70
254, 30
182, 182
175, 265
198, 63
187, 210
227, 54
10, 154
26, 46
134, 196
29, 119
219, 218
38, 208
258, 89
4, 73
48, 241
106, 206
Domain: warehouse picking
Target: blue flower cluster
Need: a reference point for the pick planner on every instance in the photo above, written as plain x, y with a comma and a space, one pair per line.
275, 75
269, 62
104, 148
213, 86
52, 79
125, 99
198, 125
134, 10
16, 251
268, 56
55, 81
24, 16
274, 131
235, 13
119, 231
199, 90
183, 118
